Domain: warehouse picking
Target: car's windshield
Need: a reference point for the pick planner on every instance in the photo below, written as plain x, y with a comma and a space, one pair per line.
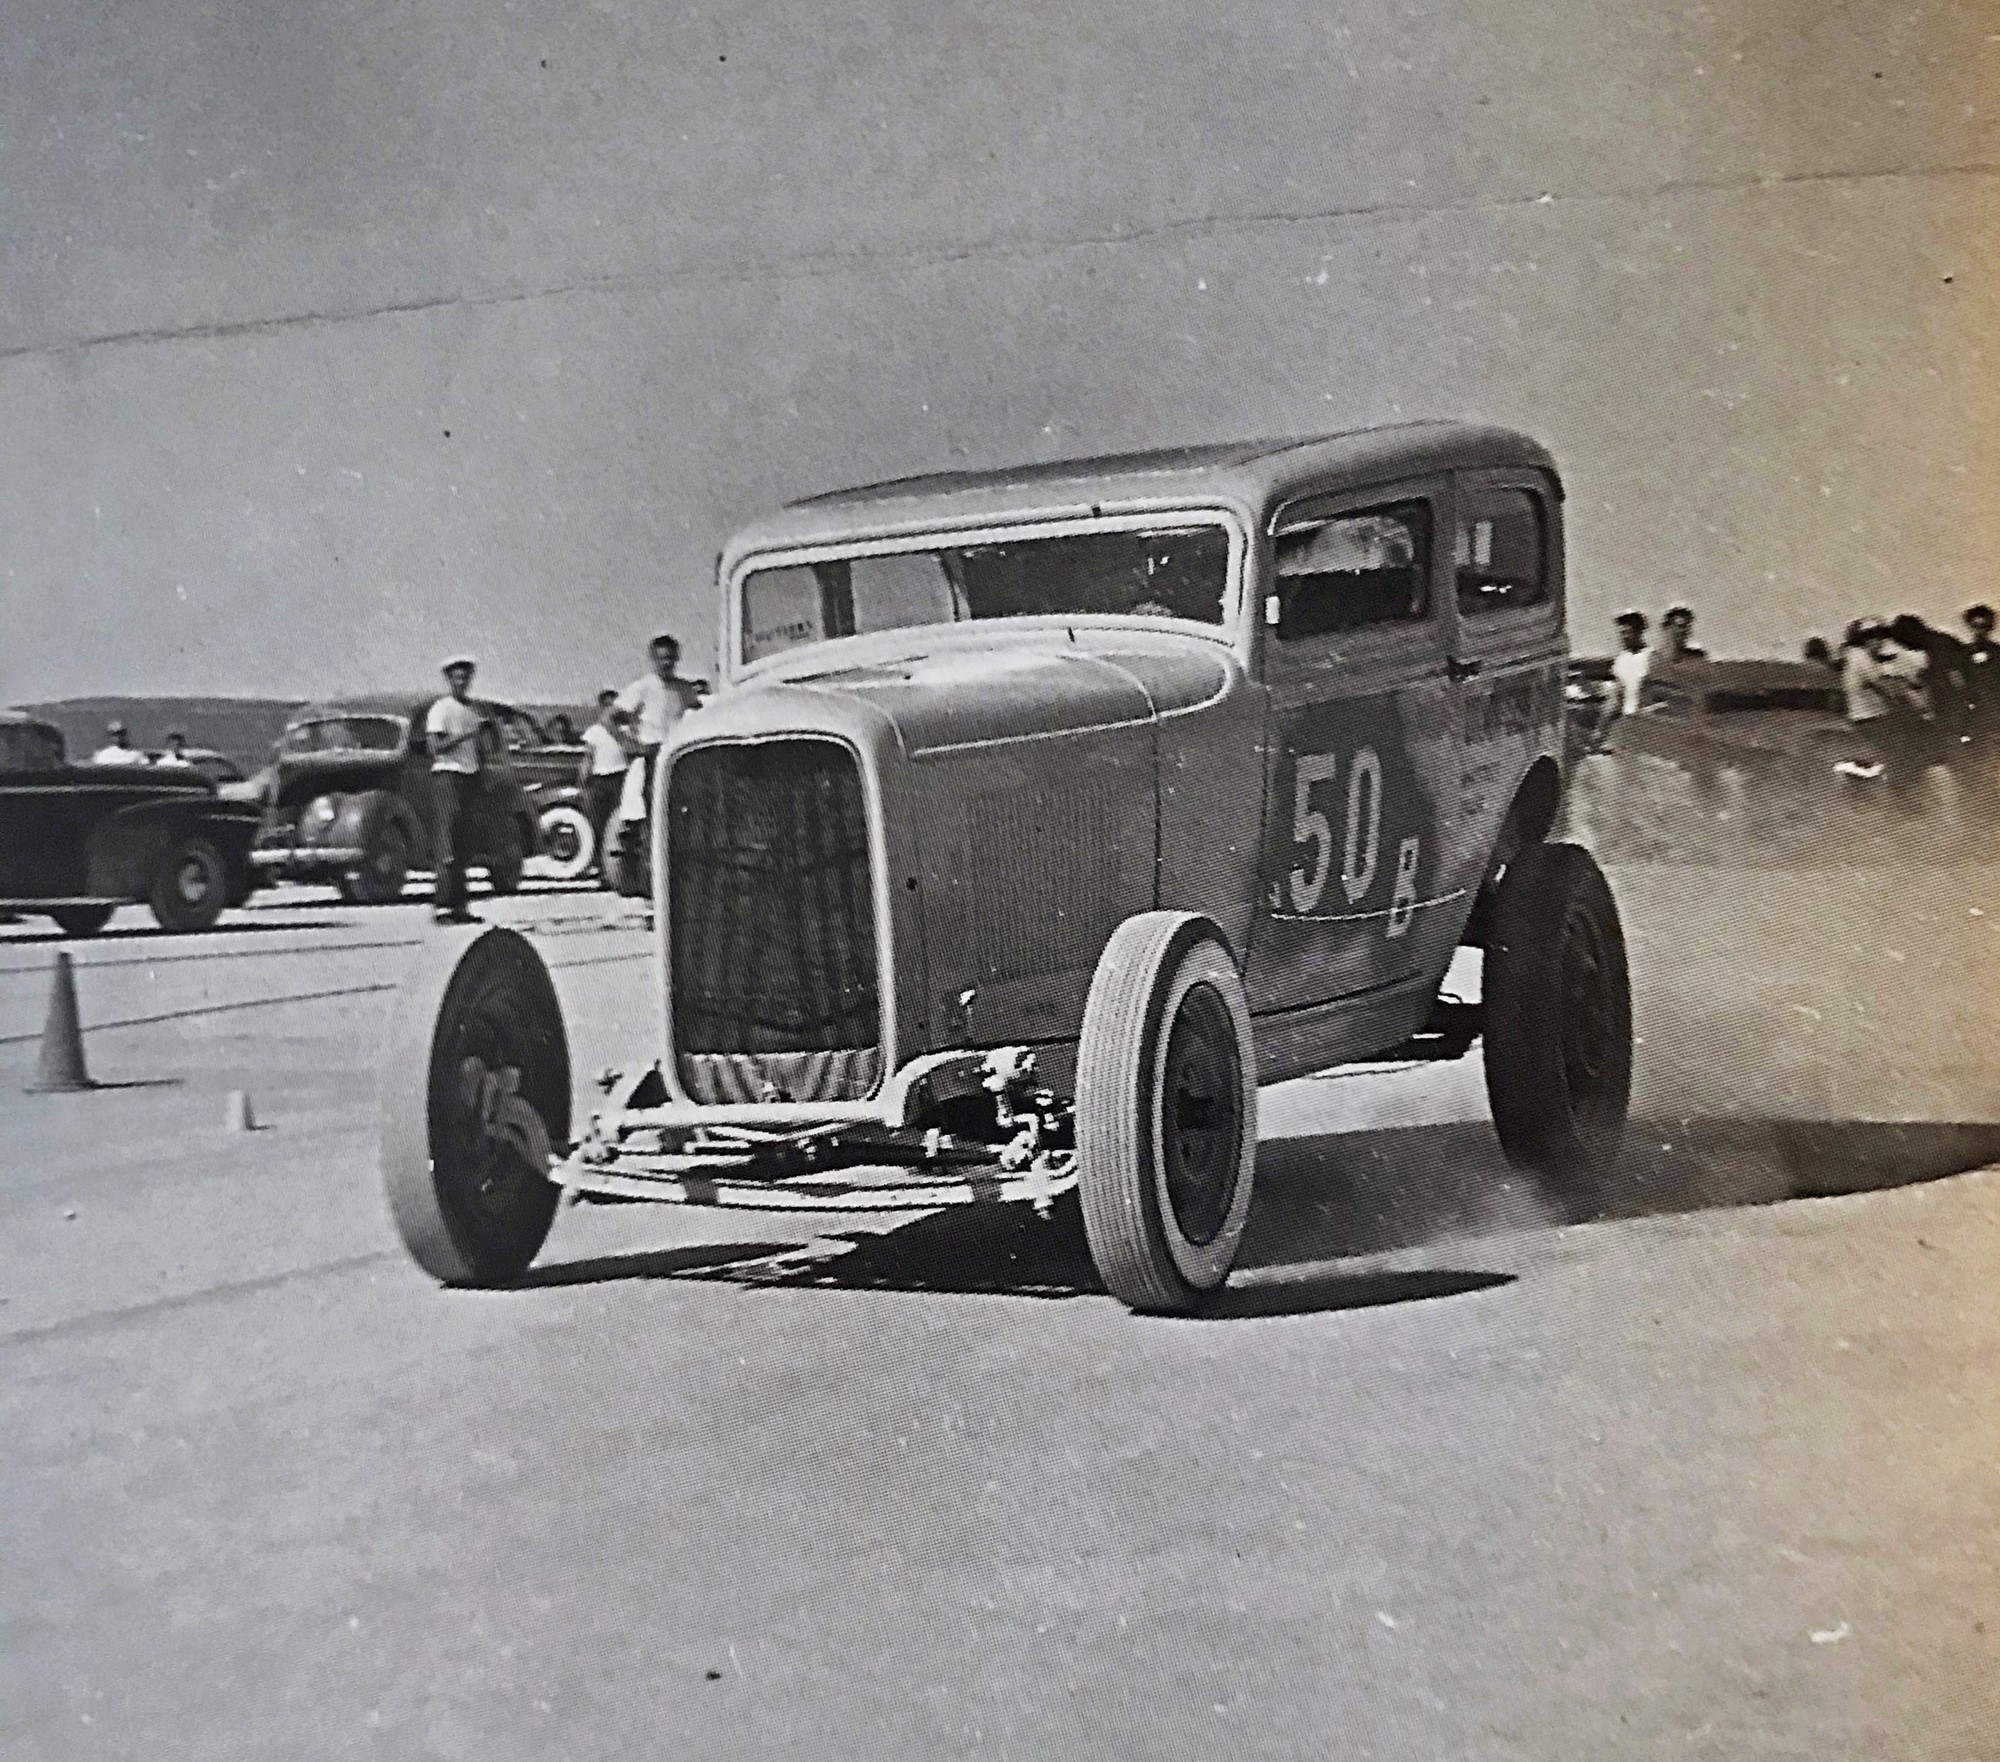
29, 746
1179, 571
333, 734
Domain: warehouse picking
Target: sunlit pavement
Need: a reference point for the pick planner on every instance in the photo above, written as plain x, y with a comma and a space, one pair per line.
1446, 1474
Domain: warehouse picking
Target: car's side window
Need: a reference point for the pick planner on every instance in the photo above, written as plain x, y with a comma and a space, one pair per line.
1501, 551
1354, 570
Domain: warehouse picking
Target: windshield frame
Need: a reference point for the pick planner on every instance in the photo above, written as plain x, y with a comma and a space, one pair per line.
1226, 632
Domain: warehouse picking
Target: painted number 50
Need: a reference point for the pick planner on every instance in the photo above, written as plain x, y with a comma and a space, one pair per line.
1360, 844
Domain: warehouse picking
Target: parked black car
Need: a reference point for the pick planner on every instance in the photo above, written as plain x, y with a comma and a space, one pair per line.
348, 799
78, 841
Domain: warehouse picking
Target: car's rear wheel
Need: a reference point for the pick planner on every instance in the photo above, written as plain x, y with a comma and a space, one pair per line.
82, 920
191, 886
1558, 1017
569, 842
475, 1097
1166, 1112
385, 863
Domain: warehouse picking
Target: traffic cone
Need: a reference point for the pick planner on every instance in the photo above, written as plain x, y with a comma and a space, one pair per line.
60, 1069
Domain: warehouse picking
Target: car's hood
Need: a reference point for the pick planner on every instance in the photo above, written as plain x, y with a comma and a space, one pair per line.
963, 696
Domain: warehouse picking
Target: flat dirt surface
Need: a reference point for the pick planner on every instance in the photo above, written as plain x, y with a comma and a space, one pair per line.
1449, 1473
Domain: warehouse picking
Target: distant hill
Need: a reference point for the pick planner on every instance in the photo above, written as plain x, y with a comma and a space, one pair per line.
243, 727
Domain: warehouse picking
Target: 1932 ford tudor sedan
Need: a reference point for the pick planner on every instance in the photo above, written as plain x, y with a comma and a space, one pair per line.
1042, 816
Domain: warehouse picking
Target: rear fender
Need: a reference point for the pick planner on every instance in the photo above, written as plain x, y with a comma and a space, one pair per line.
126, 847
1531, 816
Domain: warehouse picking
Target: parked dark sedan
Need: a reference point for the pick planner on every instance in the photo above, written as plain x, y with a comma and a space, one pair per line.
78, 841
349, 799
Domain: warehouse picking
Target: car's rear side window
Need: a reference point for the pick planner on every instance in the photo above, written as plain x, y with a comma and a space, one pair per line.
1352, 570
1500, 555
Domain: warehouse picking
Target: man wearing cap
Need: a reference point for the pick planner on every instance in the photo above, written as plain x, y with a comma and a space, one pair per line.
1677, 625
119, 750
176, 754
452, 731
1629, 667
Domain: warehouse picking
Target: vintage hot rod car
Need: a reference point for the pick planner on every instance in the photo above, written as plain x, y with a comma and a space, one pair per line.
348, 799
1042, 816
76, 841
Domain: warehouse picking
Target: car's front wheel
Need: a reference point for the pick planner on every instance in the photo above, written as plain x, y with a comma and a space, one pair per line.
475, 1098
191, 886
1166, 1112
503, 867
385, 862
1558, 1009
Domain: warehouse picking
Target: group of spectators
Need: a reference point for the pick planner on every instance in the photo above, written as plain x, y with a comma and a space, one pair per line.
1637, 657
631, 727
119, 750
1923, 696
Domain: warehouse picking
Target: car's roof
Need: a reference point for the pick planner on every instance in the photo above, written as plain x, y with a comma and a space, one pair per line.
1247, 474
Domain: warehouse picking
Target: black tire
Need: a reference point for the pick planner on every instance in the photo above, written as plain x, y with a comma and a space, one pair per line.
1558, 1009
469, 1207
1166, 1112
385, 860
568, 842
82, 920
503, 867
191, 885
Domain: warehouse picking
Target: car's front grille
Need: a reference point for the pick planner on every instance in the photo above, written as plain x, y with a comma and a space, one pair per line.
771, 924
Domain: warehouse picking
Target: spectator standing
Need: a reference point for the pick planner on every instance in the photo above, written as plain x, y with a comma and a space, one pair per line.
1906, 730
1979, 661
452, 731
176, 753
1629, 667
651, 705
601, 775
118, 750
1677, 632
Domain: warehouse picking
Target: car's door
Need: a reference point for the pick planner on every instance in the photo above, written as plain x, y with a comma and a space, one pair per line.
1361, 743
1508, 648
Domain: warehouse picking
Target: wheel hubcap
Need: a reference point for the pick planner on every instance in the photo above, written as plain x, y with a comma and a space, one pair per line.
192, 880
1201, 1115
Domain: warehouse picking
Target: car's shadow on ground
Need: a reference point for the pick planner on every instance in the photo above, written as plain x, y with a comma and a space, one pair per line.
1343, 1197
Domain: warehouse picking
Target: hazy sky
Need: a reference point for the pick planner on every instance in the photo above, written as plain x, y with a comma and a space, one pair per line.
333, 337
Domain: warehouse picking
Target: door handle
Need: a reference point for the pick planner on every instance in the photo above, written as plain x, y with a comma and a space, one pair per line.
1455, 669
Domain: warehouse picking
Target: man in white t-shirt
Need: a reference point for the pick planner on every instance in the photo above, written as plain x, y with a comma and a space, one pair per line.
1629, 667
452, 730
601, 775
650, 706
119, 750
